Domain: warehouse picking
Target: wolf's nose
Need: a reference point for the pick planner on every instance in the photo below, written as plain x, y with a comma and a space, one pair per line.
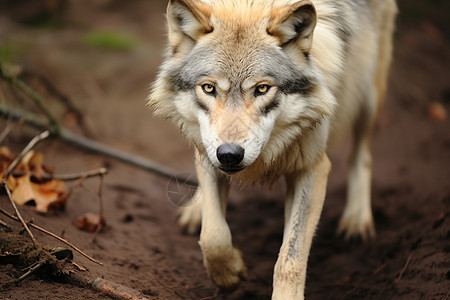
230, 155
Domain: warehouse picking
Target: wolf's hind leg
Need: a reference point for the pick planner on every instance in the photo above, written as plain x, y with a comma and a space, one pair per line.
190, 217
357, 219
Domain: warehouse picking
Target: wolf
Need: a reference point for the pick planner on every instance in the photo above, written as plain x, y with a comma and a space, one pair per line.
262, 89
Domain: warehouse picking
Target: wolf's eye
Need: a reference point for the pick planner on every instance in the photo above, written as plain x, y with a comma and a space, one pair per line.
209, 89
262, 89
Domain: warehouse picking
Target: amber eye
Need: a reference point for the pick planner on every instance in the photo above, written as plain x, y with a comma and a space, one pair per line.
262, 89
209, 89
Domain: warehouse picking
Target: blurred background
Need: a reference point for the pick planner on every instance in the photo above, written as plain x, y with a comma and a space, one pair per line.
103, 55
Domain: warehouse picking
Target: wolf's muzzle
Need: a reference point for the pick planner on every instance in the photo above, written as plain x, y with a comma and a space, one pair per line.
230, 156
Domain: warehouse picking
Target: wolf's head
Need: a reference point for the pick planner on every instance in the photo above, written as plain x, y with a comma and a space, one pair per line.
238, 79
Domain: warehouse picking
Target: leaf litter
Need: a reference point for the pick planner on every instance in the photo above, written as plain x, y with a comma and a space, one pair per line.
31, 181
26, 179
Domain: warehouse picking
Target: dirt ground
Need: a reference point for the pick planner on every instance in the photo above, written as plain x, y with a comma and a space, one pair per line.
143, 248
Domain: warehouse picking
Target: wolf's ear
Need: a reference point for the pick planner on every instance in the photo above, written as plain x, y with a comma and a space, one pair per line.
187, 19
294, 23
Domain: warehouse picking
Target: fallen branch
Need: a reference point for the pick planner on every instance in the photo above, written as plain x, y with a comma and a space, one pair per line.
115, 290
19, 216
105, 287
14, 80
90, 145
77, 140
52, 235
28, 118
66, 101
27, 149
135, 160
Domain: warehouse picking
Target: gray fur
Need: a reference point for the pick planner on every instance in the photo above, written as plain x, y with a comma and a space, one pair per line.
299, 226
186, 75
289, 78
274, 63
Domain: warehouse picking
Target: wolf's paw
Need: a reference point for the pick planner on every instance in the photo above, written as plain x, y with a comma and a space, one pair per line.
227, 271
356, 226
190, 218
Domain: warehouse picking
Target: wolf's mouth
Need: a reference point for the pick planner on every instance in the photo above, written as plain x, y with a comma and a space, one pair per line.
231, 169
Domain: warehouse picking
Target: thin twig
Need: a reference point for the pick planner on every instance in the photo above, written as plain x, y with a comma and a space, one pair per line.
19, 216
9, 128
37, 265
67, 177
14, 80
33, 269
408, 260
79, 181
79, 267
30, 146
4, 224
100, 202
31, 266
90, 145
54, 236
28, 223
100, 195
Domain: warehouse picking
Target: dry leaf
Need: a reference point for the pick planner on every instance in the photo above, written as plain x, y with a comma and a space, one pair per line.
45, 195
30, 185
90, 222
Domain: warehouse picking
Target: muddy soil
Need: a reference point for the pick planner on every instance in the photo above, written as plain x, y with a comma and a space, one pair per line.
143, 248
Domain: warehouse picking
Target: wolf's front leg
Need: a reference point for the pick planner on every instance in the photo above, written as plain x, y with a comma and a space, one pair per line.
308, 188
223, 262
